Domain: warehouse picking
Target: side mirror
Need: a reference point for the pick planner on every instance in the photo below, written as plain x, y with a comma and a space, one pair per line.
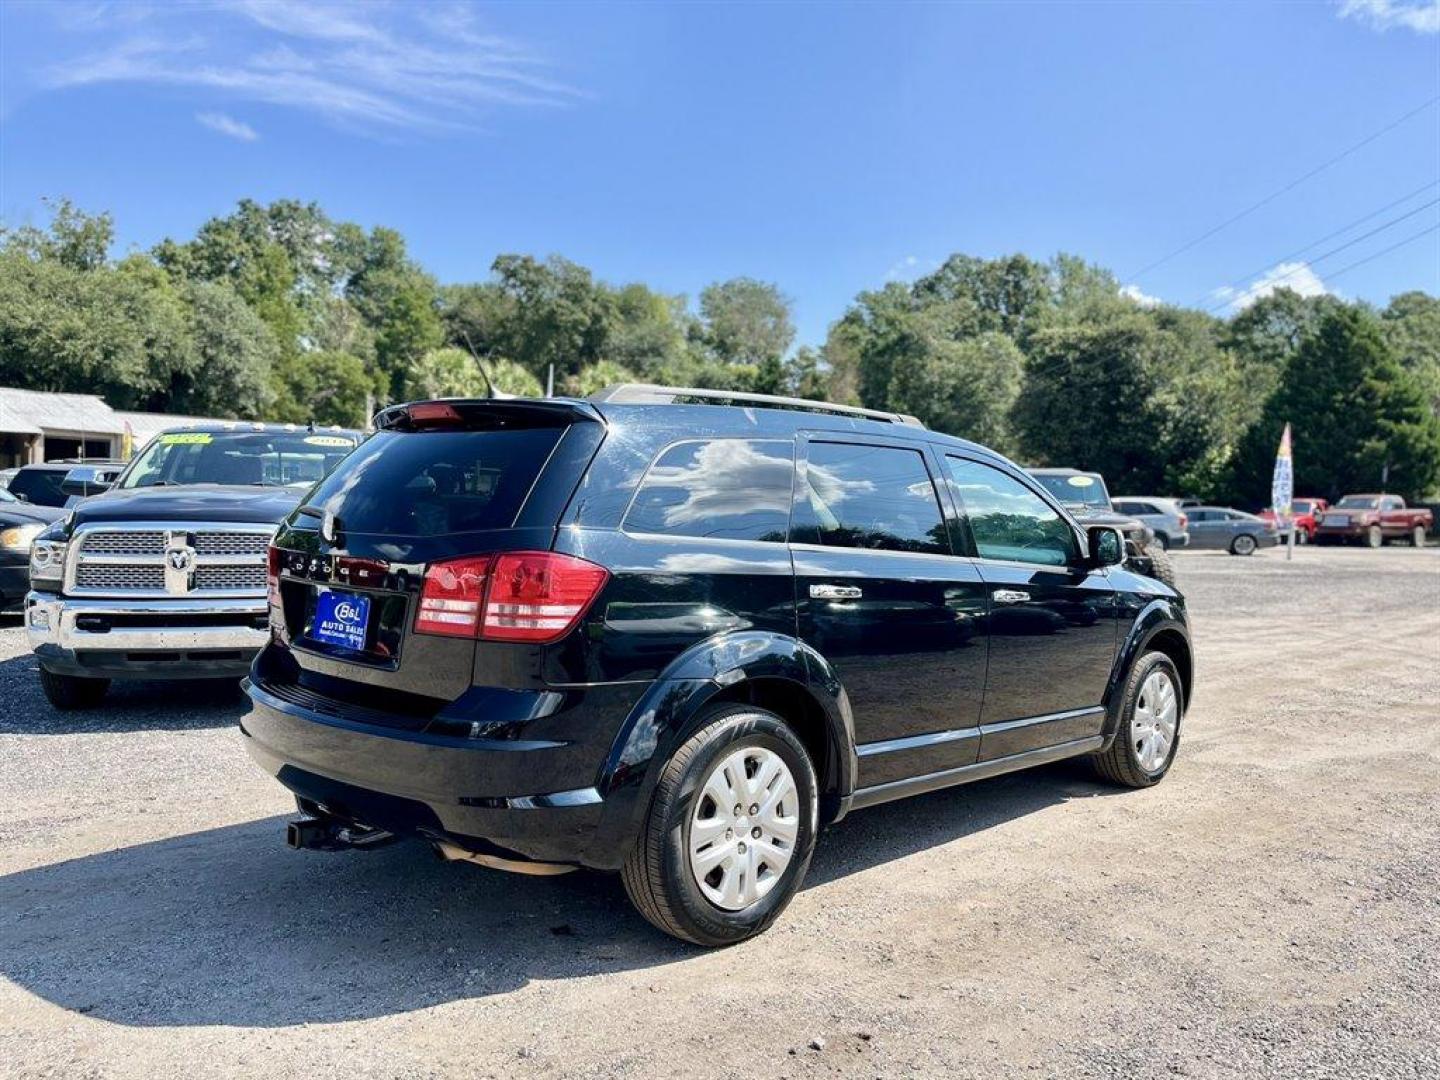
1107, 545
84, 481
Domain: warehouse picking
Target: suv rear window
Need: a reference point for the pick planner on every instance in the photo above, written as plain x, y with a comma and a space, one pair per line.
730, 489
878, 497
434, 482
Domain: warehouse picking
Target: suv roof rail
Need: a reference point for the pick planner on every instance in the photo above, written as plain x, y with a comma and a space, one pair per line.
651, 394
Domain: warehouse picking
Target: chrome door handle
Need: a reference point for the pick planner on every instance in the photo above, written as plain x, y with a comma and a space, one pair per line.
1010, 596
835, 592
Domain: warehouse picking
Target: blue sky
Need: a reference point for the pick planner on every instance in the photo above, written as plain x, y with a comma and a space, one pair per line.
827, 148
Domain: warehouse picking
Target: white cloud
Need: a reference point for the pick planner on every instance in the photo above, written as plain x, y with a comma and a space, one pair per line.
903, 269
1422, 17
371, 67
1144, 299
1296, 276
228, 125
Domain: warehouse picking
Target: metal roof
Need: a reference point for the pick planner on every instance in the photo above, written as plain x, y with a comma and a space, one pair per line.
32, 412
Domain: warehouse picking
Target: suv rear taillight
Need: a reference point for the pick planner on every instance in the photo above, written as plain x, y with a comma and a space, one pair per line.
450, 602
534, 596
1183, 522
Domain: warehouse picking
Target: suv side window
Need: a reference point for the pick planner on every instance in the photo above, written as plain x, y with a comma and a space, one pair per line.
1007, 519
728, 489
864, 496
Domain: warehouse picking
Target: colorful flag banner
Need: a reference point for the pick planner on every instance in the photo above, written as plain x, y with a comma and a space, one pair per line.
1282, 481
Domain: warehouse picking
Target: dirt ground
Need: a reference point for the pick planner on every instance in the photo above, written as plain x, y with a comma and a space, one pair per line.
1271, 909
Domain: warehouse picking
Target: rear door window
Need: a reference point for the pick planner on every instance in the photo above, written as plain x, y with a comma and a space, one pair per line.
430, 483
726, 489
863, 496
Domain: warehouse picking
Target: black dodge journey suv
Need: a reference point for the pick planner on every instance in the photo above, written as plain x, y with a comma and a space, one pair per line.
674, 632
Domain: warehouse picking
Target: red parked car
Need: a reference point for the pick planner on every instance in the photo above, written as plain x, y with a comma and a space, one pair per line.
1306, 515
1373, 520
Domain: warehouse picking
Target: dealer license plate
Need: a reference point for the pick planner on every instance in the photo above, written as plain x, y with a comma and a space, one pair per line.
341, 619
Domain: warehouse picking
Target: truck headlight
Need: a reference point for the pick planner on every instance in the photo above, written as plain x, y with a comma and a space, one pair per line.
47, 560
18, 537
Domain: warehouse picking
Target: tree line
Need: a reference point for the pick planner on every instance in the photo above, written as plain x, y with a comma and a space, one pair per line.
280, 312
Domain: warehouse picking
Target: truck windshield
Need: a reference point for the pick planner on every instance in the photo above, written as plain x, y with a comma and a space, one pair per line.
1076, 489
260, 458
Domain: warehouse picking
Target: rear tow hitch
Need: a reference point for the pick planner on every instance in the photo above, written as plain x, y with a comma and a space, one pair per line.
325, 834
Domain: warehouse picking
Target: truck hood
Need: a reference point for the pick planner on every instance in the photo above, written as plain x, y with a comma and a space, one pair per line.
21, 513
191, 502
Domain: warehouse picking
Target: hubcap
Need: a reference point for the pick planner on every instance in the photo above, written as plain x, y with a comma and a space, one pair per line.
1152, 727
743, 827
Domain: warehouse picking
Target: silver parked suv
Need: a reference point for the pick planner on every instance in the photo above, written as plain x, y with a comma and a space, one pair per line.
1163, 516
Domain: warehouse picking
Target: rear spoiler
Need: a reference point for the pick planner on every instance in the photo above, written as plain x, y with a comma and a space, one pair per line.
484, 414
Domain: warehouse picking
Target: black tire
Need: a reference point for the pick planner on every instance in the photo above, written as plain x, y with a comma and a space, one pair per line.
1162, 567
72, 691
1244, 544
1120, 763
1417, 536
657, 873
1301, 538
1163, 541
1374, 538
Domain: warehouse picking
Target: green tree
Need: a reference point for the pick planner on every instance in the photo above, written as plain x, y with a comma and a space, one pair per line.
558, 315
1360, 419
1411, 324
324, 388
964, 387
746, 322
1087, 401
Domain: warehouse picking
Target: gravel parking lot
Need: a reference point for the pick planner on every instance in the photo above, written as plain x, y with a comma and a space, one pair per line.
1272, 909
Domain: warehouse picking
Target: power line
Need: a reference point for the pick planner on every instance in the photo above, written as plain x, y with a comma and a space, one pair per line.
1383, 251
1321, 258
1281, 191
1249, 274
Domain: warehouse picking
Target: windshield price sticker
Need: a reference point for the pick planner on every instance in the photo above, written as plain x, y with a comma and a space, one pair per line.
185, 438
1081, 481
328, 440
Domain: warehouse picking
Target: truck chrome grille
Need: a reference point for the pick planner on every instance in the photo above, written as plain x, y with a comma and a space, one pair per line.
124, 543
230, 577
121, 578
169, 560
232, 543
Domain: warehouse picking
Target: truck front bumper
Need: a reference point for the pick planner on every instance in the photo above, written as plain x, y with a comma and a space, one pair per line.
146, 639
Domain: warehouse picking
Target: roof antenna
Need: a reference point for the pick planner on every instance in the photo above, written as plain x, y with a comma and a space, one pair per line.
497, 395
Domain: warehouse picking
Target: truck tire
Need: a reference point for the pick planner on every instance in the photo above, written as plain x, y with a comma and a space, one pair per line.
1143, 749
1162, 567
1374, 538
72, 691
705, 872
1417, 536
1301, 537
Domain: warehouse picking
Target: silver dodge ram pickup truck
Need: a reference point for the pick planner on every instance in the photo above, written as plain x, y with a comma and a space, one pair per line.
164, 575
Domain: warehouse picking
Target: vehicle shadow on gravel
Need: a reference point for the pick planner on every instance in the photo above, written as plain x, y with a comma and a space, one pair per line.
228, 927
178, 705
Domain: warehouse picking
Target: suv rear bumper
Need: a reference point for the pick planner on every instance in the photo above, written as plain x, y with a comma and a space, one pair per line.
435, 787
145, 639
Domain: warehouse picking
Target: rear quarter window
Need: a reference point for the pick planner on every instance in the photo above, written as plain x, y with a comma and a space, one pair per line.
430, 483
724, 489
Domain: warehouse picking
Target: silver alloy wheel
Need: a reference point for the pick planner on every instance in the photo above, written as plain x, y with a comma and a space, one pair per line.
1152, 725
1244, 544
743, 827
